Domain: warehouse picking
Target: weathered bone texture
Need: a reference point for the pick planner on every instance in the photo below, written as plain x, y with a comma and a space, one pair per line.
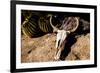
70, 24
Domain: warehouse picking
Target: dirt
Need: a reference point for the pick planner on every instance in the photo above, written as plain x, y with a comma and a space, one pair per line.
42, 49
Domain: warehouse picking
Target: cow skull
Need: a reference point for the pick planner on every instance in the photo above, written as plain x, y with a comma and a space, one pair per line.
61, 37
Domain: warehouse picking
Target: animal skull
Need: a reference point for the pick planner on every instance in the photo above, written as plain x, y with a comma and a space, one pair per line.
60, 42
62, 35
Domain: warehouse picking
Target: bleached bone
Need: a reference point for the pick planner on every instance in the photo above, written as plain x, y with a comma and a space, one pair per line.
62, 34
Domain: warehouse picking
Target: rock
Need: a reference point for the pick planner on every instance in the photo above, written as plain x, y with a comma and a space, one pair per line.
42, 49
81, 49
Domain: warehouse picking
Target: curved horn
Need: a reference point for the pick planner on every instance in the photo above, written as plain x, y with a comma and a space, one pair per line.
77, 22
54, 28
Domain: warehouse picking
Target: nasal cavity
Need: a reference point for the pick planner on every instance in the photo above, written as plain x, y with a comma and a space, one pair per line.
58, 43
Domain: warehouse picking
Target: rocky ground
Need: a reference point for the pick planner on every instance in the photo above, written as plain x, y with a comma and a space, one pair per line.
43, 49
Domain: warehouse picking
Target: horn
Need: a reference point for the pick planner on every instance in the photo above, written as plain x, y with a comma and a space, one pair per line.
54, 28
77, 24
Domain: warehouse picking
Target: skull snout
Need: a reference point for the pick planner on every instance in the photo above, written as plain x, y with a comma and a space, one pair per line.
61, 37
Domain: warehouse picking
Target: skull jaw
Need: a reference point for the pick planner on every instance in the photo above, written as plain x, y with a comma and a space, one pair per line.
58, 53
59, 50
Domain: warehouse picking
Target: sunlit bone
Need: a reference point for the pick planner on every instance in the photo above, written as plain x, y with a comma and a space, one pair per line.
63, 33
